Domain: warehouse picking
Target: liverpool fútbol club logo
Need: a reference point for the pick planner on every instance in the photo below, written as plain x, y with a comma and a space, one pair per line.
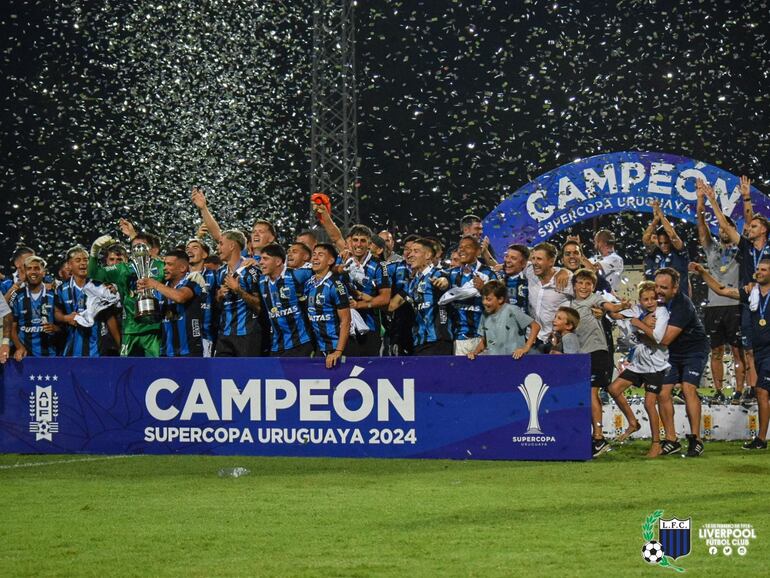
44, 409
674, 540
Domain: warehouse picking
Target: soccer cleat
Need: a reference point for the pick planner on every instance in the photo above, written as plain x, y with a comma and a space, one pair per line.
599, 447
668, 447
694, 446
718, 397
755, 444
736, 399
678, 396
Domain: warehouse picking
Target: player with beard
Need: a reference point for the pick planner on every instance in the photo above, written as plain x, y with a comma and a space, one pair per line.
180, 307
197, 252
283, 295
328, 307
238, 301
514, 263
666, 249
756, 302
687, 352
10, 286
752, 246
722, 315
430, 332
34, 330
72, 301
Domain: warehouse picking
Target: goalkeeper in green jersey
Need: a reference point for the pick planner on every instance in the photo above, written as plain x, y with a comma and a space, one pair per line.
141, 336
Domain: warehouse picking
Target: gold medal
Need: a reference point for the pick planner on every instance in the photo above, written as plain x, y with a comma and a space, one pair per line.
762, 322
723, 268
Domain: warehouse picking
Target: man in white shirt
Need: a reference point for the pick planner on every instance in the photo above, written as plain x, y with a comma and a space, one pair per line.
549, 288
5, 313
607, 262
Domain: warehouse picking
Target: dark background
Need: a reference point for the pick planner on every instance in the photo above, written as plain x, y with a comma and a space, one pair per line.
113, 110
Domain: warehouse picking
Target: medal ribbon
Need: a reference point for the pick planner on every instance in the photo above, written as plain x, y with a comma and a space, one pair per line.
763, 306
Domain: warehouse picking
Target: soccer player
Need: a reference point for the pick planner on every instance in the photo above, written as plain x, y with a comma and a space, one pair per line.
753, 246
756, 302
503, 327
399, 338
648, 366
666, 249
390, 243
197, 253
687, 352
10, 286
430, 332
238, 300
308, 238
180, 302
34, 329
7, 315
722, 317
328, 307
607, 262
71, 301
141, 335
465, 314
283, 295
514, 263
298, 256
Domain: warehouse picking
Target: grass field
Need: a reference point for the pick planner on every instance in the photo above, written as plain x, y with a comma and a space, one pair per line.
174, 516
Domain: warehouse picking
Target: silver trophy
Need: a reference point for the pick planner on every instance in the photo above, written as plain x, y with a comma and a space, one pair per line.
146, 303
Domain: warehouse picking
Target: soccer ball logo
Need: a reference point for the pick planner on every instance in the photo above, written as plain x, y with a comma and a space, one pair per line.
652, 552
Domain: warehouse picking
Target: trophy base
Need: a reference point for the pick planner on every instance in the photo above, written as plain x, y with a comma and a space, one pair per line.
147, 308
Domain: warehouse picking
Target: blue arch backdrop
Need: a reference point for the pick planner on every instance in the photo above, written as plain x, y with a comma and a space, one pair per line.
612, 183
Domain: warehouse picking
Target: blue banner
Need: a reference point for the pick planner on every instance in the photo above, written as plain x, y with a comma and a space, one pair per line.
536, 408
612, 183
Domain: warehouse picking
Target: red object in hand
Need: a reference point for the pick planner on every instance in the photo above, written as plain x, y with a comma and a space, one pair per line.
321, 199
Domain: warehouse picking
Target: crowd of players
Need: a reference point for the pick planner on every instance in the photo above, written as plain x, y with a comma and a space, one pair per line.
327, 295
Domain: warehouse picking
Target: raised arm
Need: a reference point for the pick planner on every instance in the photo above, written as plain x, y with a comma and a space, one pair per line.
199, 200
724, 224
649, 233
704, 236
676, 242
748, 209
330, 226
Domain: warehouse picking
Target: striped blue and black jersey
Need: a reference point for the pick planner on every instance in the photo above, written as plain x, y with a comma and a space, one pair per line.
431, 319
31, 313
284, 300
465, 314
369, 278
325, 298
518, 291
208, 304
235, 317
6, 284
182, 323
81, 341
399, 273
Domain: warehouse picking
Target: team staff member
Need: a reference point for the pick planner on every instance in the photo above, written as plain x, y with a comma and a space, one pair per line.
549, 289
328, 307
180, 307
34, 330
756, 303
71, 301
283, 295
687, 353
240, 334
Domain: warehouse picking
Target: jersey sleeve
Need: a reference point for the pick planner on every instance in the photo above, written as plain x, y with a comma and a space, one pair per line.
250, 280
302, 275
112, 274
340, 292
382, 279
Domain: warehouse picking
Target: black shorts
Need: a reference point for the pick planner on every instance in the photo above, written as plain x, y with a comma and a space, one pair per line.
723, 325
686, 370
366, 345
239, 345
304, 350
763, 372
434, 348
601, 369
652, 382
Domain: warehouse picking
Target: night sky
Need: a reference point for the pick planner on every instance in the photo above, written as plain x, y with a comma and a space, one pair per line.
115, 110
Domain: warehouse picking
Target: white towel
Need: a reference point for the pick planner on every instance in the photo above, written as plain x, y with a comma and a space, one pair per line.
357, 323
98, 298
465, 292
754, 298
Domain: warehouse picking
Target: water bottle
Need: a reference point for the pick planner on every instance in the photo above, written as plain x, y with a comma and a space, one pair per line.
233, 472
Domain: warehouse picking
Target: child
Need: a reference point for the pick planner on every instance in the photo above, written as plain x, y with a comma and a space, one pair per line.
503, 326
593, 341
563, 338
648, 365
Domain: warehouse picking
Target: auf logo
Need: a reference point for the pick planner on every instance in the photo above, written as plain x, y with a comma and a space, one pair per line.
674, 540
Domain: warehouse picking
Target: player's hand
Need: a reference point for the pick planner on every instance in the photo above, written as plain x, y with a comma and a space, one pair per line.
598, 312
127, 228
331, 359
5, 352
746, 188
198, 198
20, 354
561, 279
202, 231
50, 328
440, 283
574, 239
232, 283
70, 319
694, 267
222, 293
112, 288
471, 356
478, 282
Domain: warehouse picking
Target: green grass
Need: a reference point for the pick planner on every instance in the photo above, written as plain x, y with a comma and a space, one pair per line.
173, 515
